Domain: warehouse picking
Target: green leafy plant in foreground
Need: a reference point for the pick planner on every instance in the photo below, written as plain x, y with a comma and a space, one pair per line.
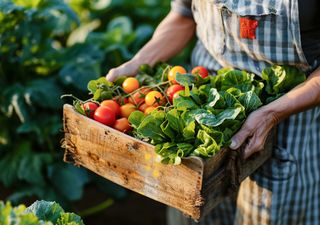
47, 48
210, 111
39, 213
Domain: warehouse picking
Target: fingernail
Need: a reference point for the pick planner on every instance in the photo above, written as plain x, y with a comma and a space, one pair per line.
233, 144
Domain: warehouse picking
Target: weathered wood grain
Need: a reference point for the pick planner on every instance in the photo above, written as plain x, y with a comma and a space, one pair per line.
194, 187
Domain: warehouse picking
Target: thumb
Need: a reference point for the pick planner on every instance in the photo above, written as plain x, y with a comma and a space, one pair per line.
112, 75
239, 138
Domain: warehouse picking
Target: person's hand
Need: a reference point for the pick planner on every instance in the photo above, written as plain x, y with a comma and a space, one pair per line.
129, 68
254, 131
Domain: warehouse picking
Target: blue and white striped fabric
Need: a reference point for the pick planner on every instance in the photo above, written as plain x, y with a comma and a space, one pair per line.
277, 35
286, 189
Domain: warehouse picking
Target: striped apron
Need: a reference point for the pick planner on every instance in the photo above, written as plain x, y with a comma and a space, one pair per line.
286, 189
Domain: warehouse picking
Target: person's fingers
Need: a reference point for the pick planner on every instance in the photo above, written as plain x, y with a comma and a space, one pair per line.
254, 145
112, 75
127, 69
239, 138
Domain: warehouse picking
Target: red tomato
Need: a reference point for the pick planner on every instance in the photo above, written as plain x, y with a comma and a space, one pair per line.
201, 71
149, 109
89, 108
130, 84
173, 72
143, 107
122, 125
105, 115
172, 90
113, 105
138, 97
154, 98
127, 109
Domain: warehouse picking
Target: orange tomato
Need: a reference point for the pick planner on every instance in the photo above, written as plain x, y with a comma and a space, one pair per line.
138, 97
113, 105
149, 109
127, 109
154, 98
173, 72
130, 84
122, 125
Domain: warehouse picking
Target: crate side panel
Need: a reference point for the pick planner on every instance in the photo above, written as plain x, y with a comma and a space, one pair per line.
132, 163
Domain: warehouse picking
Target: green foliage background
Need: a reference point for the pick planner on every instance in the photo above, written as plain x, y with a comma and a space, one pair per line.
49, 48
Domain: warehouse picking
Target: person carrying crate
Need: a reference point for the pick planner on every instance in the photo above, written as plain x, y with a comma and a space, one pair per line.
252, 35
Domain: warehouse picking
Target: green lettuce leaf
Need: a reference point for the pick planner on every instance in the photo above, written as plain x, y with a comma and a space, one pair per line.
69, 219
281, 79
136, 118
208, 146
47, 211
250, 101
150, 127
211, 120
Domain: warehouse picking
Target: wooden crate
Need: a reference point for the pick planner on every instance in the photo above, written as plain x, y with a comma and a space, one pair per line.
194, 187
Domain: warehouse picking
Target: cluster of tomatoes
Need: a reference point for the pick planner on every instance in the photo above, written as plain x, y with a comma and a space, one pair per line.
115, 112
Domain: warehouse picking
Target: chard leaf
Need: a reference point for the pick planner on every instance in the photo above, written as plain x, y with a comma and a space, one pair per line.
211, 120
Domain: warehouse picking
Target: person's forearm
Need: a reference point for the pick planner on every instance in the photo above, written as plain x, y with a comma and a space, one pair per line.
302, 97
170, 37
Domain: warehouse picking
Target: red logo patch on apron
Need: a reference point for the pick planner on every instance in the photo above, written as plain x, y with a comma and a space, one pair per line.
248, 28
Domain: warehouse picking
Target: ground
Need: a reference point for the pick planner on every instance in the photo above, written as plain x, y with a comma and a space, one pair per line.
135, 209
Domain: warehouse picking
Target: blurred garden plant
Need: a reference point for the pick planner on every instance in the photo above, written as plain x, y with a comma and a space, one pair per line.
48, 48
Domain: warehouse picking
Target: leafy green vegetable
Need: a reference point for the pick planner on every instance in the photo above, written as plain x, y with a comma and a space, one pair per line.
210, 111
150, 127
51, 47
136, 118
39, 213
250, 101
280, 79
214, 121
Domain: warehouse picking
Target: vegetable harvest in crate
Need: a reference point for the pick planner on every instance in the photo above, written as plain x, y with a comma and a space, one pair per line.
185, 114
